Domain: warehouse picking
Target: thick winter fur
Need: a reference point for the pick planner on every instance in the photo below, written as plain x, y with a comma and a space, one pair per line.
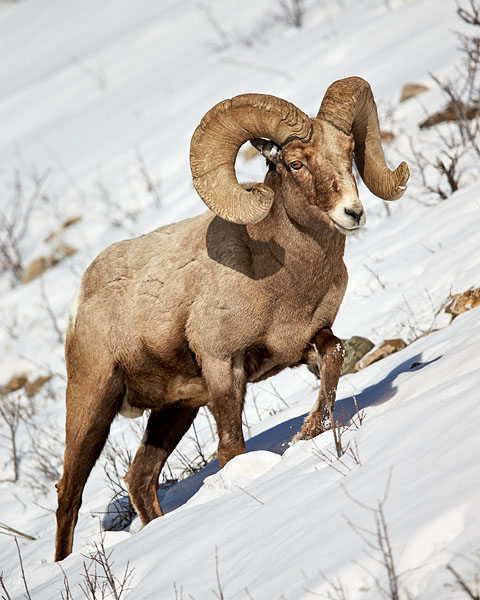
186, 315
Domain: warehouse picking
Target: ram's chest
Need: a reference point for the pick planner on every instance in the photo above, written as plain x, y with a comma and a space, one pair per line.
290, 332
294, 325
286, 334
272, 320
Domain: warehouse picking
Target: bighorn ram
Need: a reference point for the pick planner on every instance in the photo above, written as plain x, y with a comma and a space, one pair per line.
186, 315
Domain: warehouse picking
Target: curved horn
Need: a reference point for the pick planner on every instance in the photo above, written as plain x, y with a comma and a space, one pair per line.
349, 105
215, 144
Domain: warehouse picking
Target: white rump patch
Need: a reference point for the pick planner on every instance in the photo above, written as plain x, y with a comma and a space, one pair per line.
73, 309
129, 411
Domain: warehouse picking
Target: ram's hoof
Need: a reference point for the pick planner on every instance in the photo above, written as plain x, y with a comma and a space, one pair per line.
311, 427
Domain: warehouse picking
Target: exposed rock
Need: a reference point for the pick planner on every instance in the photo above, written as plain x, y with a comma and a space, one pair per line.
410, 90
462, 302
65, 225
249, 152
33, 387
385, 349
61, 251
386, 136
355, 348
39, 265
15, 383
19, 381
454, 111
71, 221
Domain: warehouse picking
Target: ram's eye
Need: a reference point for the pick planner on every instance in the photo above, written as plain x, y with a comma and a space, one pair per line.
296, 165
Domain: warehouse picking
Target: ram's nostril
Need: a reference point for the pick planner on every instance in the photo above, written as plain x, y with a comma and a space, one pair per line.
356, 215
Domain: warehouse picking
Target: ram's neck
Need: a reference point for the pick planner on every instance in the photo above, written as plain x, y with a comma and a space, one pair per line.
304, 249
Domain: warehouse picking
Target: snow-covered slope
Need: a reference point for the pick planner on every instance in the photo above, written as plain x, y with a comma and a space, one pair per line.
98, 104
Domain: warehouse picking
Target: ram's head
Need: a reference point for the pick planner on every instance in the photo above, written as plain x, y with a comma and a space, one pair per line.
312, 156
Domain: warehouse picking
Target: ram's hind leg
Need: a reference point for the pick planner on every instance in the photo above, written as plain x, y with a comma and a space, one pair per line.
326, 360
92, 403
165, 428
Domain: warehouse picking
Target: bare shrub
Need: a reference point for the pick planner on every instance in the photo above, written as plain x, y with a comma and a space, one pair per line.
378, 541
346, 455
340, 464
45, 456
470, 15
59, 332
152, 185
470, 588
287, 13
99, 579
217, 593
3, 586
415, 329
291, 12
124, 213
441, 174
339, 428
224, 41
458, 123
336, 589
462, 91
9, 324
114, 211
15, 219
200, 458
118, 458
15, 407
41, 450
192, 464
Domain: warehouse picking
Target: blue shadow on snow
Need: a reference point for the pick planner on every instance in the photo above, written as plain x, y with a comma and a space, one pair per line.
277, 438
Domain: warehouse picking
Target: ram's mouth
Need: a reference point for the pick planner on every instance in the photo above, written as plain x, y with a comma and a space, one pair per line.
346, 230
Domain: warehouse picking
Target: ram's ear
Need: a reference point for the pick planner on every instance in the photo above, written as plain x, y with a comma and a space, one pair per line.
271, 151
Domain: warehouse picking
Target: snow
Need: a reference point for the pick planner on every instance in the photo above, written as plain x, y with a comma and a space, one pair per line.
100, 101
236, 475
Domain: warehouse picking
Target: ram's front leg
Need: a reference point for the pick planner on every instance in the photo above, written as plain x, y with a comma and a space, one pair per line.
226, 384
325, 359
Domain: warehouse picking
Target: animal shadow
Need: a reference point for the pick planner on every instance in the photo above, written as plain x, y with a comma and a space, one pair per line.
278, 438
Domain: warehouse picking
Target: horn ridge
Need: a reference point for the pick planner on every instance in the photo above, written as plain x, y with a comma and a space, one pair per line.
215, 144
349, 105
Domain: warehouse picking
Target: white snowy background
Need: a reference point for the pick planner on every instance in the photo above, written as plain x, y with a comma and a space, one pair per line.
97, 106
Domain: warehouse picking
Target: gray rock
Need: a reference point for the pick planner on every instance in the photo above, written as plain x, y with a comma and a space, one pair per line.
355, 348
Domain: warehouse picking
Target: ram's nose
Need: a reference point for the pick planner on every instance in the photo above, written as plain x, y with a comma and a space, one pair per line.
358, 216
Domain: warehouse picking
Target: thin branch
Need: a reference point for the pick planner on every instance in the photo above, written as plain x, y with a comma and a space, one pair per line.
50, 312
251, 495
27, 592
474, 595
217, 574
4, 588
12, 532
